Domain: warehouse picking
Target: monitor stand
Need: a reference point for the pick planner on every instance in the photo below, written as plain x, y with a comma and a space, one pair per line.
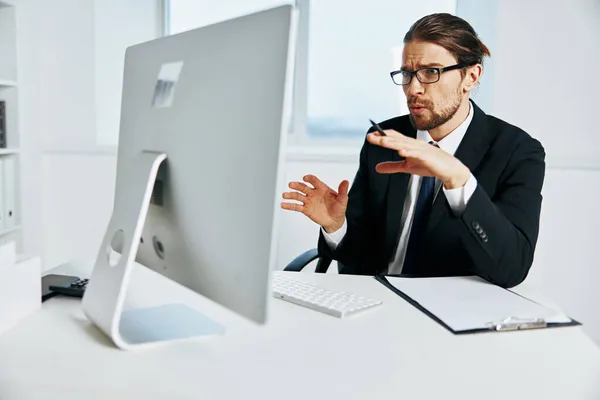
105, 294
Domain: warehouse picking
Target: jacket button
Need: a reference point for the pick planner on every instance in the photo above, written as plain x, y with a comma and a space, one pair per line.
475, 225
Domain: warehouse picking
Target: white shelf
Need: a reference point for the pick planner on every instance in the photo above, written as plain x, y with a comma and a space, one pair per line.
10, 178
5, 232
8, 151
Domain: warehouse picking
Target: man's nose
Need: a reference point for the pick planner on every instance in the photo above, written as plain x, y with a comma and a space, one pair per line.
414, 88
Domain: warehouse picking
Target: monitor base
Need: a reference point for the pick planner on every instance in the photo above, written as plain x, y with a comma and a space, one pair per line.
168, 322
104, 297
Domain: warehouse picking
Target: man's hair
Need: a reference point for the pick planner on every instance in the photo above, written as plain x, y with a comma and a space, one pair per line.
452, 33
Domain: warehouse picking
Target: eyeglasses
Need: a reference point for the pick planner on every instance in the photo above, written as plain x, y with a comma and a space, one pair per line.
424, 75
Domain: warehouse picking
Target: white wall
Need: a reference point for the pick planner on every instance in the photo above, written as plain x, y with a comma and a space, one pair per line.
70, 67
78, 196
117, 25
542, 49
66, 73
29, 125
83, 60
482, 15
543, 83
566, 265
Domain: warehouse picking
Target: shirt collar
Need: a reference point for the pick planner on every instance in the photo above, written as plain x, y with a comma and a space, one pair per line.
451, 142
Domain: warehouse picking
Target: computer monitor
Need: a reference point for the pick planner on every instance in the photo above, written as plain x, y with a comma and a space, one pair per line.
203, 124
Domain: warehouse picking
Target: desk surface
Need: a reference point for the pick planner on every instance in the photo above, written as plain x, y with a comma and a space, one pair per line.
393, 352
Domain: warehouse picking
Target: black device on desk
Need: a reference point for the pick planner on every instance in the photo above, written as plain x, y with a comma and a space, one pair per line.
75, 288
55, 280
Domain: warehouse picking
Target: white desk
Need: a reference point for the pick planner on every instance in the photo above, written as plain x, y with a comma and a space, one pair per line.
394, 352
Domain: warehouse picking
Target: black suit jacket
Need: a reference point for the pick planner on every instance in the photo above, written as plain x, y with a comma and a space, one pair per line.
494, 238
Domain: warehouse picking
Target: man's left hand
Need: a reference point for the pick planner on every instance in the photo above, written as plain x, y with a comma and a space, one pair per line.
420, 158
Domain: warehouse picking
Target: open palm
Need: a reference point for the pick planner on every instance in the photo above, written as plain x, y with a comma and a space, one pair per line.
319, 202
420, 158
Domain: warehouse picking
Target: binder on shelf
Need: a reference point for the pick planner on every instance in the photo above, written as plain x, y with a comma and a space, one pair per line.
2, 124
2, 185
9, 191
469, 304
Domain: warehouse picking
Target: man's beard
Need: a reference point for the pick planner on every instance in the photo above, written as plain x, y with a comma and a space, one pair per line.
436, 119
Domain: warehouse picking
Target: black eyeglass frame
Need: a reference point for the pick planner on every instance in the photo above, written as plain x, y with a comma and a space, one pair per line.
414, 73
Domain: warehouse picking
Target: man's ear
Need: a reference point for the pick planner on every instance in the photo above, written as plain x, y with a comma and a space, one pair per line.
472, 77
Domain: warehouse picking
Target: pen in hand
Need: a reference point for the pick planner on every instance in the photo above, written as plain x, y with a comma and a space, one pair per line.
381, 132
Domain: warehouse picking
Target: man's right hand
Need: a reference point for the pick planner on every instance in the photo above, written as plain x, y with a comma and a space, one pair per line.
319, 202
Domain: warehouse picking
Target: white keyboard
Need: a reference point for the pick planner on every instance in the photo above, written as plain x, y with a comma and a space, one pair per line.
338, 304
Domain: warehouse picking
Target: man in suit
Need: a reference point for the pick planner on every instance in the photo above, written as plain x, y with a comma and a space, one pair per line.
448, 190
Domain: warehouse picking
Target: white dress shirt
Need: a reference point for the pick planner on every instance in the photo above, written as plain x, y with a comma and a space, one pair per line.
457, 198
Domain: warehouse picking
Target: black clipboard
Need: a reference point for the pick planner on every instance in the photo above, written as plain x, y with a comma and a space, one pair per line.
501, 326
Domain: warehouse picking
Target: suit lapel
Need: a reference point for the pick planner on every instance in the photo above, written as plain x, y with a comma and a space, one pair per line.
470, 152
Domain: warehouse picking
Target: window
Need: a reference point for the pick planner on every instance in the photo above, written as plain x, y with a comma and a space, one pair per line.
351, 50
184, 15
346, 50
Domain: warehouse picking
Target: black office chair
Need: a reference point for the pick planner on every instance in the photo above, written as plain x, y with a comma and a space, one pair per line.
298, 263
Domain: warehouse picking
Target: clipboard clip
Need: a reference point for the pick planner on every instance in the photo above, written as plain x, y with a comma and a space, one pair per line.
515, 324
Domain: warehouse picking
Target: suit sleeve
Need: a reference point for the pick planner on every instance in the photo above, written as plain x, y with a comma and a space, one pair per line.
350, 252
500, 233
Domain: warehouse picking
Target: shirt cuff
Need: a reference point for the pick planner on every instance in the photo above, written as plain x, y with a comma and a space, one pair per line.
334, 238
458, 198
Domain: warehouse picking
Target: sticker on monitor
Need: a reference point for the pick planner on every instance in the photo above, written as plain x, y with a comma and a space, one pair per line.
164, 91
